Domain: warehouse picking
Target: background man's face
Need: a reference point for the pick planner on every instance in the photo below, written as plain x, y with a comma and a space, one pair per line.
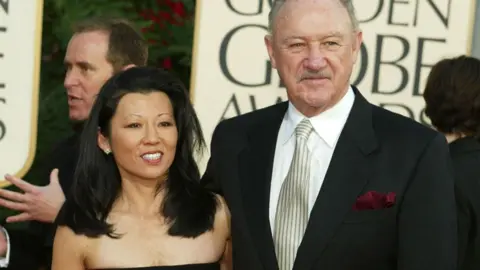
87, 70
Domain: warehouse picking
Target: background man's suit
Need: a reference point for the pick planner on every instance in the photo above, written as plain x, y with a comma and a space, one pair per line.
465, 153
32, 248
376, 151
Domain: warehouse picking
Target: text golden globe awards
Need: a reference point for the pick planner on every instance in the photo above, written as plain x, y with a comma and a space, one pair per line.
232, 74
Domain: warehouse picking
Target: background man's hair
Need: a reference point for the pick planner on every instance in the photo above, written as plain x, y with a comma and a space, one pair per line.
126, 44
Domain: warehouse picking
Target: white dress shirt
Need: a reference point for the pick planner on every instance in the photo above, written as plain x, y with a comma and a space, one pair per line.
326, 130
5, 260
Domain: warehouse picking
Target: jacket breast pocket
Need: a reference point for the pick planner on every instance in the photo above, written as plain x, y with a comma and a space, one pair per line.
369, 215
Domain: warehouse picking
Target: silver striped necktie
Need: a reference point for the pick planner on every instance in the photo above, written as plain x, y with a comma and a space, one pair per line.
292, 210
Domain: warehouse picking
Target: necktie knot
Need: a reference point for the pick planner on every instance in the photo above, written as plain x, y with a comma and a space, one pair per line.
304, 129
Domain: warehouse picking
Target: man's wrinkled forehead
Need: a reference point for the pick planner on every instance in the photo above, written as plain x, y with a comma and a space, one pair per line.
86, 48
285, 11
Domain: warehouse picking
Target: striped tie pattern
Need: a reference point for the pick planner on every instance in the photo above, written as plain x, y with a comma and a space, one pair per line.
292, 211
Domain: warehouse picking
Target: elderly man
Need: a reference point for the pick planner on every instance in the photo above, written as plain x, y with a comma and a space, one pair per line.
98, 49
327, 180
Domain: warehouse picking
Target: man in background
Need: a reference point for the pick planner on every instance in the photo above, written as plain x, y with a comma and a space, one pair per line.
98, 49
452, 98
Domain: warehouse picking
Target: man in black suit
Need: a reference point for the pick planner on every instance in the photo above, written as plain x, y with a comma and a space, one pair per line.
452, 96
327, 180
99, 48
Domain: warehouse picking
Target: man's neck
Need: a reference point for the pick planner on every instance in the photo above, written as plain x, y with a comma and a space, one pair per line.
77, 126
451, 137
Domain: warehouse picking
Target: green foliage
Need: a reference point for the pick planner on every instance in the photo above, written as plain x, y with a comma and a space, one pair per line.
168, 40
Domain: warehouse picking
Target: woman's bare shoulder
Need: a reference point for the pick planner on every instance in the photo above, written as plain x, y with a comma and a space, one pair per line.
65, 236
222, 217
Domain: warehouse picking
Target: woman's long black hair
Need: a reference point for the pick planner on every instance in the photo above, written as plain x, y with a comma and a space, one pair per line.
189, 209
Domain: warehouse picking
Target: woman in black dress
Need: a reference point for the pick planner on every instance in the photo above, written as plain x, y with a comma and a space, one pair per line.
136, 201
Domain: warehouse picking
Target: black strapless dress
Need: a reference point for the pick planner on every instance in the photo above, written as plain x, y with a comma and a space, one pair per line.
200, 266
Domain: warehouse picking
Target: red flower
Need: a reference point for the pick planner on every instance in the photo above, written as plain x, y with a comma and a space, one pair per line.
167, 63
171, 12
177, 7
174, 15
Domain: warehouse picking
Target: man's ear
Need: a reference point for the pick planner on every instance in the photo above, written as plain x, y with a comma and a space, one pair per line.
103, 143
128, 66
356, 45
269, 44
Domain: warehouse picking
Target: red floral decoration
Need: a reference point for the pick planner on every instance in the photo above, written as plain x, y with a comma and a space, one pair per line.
170, 12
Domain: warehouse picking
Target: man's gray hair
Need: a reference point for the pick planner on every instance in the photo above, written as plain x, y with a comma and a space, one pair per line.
277, 5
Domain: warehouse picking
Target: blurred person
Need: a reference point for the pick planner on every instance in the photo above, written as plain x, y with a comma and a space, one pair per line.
99, 48
136, 199
452, 97
327, 180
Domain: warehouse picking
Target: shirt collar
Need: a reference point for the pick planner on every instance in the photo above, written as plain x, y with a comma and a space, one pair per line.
328, 125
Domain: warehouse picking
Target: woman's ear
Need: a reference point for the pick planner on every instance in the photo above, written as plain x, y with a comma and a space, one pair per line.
103, 143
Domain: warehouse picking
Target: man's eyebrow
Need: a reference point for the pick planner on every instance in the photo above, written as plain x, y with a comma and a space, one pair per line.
82, 64
328, 35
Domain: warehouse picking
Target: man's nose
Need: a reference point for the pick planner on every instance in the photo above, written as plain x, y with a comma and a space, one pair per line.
71, 79
315, 60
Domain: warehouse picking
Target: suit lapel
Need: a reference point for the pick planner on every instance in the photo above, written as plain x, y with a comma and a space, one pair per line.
346, 176
256, 163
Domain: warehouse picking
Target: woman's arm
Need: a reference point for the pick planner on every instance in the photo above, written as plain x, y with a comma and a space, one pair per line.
226, 261
68, 250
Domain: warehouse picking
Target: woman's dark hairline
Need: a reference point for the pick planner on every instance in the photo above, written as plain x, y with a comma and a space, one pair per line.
121, 93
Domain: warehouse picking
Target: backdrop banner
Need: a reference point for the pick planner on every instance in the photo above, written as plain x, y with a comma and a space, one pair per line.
231, 73
20, 49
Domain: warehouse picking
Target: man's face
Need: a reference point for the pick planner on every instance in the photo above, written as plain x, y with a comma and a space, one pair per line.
314, 47
87, 71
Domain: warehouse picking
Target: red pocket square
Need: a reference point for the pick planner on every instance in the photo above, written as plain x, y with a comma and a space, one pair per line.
374, 200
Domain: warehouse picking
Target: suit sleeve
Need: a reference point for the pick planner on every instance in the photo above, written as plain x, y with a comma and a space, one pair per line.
27, 249
209, 179
31, 248
427, 231
465, 219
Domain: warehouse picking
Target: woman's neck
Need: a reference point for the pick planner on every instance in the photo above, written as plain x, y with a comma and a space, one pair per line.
141, 198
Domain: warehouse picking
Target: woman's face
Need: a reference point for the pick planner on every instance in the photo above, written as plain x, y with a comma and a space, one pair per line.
143, 136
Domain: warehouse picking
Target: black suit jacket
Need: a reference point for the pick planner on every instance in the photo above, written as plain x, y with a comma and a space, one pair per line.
32, 248
377, 151
465, 155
